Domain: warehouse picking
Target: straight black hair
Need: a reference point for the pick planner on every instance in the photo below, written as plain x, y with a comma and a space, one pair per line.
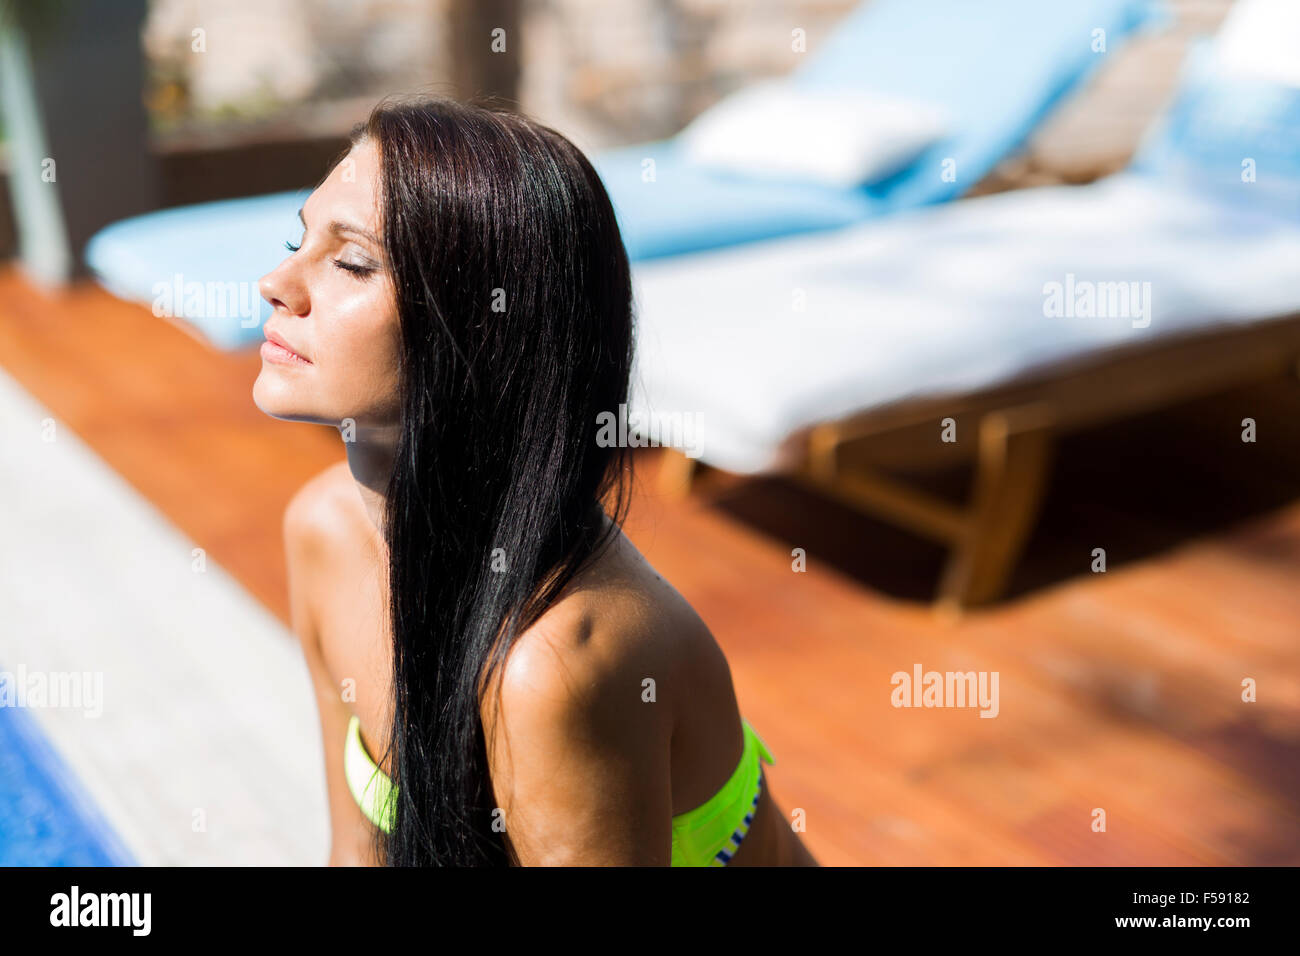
515, 302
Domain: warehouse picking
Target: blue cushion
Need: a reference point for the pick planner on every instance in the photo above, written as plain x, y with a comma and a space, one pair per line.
1233, 135
686, 208
182, 262
996, 66
996, 69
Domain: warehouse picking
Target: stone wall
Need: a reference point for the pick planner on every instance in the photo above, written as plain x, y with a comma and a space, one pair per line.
640, 69
636, 70
606, 72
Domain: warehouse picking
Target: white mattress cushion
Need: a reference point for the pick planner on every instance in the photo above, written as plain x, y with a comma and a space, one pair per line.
843, 138
939, 301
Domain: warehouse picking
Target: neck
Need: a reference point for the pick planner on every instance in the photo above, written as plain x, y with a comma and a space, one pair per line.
371, 454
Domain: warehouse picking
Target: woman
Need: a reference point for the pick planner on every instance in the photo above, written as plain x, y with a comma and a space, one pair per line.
460, 307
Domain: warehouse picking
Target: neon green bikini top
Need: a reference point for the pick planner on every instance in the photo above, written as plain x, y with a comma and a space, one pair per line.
707, 836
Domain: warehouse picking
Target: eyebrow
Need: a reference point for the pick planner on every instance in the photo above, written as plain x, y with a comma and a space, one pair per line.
339, 227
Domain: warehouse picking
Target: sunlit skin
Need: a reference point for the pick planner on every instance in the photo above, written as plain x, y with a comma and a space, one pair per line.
587, 773
334, 306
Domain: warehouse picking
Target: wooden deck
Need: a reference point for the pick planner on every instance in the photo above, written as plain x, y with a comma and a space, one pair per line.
1119, 691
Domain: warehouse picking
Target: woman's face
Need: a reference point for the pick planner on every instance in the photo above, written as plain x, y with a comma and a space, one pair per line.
334, 306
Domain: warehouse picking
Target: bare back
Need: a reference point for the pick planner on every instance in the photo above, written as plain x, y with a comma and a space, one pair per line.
340, 615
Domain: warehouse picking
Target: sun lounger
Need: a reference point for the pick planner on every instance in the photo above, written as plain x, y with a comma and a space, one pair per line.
995, 68
982, 328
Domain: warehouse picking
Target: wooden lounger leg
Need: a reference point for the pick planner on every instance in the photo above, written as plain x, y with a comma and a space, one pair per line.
676, 473
1011, 471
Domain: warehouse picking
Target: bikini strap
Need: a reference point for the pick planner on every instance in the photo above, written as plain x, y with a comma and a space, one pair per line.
763, 752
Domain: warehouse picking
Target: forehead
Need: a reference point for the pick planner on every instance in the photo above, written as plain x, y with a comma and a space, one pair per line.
349, 192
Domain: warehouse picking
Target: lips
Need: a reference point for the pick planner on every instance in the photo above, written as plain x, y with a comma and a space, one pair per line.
276, 338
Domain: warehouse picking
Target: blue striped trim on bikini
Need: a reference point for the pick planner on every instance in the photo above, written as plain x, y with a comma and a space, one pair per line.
727, 852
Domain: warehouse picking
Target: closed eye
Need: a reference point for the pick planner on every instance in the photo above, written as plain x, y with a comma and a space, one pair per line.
352, 267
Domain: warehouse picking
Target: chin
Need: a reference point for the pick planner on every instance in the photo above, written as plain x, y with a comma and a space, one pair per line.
276, 397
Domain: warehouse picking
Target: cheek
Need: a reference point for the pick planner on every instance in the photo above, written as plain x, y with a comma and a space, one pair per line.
359, 350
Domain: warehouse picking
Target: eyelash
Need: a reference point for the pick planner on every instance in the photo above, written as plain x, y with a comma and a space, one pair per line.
359, 271
356, 270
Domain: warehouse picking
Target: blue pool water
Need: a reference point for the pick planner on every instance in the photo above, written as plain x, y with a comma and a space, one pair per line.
46, 817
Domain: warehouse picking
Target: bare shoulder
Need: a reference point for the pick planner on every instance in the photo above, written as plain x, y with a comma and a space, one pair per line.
581, 718
325, 512
338, 605
618, 637
333, 555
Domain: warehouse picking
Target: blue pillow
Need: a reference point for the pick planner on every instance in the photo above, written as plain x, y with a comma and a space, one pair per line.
1230, 134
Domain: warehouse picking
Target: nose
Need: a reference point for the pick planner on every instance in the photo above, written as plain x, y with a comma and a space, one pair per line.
283, 288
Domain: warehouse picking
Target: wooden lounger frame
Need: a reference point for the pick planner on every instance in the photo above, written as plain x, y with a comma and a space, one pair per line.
1007, 432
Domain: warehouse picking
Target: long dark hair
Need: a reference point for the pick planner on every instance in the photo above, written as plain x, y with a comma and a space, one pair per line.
515, 302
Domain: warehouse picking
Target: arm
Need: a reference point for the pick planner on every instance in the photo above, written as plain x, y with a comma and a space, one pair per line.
580, 763
306, 530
